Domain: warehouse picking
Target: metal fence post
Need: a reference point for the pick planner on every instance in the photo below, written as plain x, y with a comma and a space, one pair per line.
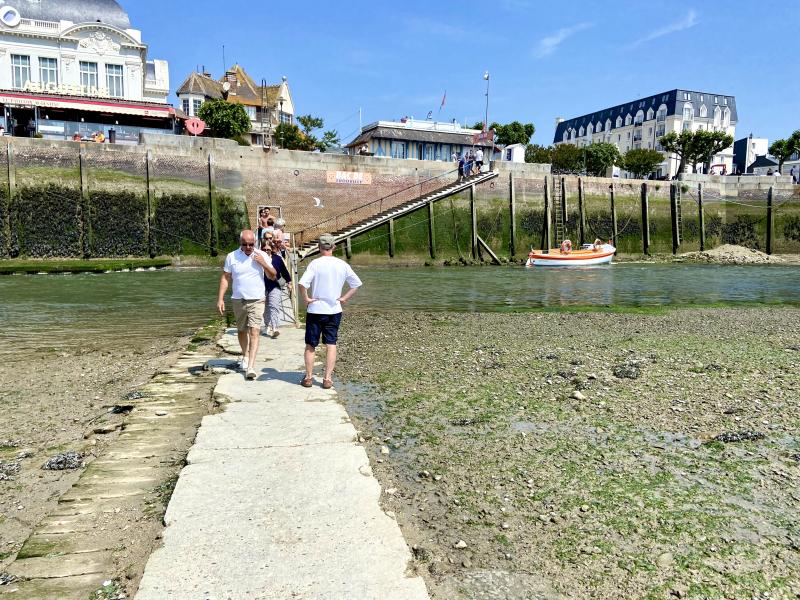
645, 221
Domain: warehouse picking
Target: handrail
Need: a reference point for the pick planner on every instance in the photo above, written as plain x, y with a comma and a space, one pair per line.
336, 218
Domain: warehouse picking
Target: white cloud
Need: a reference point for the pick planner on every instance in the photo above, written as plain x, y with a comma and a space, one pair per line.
687, 22
550, 44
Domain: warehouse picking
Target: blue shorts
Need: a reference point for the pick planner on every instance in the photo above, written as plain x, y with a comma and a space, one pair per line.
325, 325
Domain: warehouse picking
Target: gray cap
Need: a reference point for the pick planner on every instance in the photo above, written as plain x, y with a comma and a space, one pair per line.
326, 241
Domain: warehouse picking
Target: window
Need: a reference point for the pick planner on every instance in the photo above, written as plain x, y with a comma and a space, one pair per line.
687, 96
185, 104
639, 118
687, 126
703, 111
688, 111
398, 149
650, 114
608, 124
717, 116
589, 130
726, 117
725, 101
619, 121
285, 117
716, 100
660, 130
661, 115
88, 74
627, 119
701, 97
196, 104
114, 77
48, 71
581, 131
565, 136
251, 112
20, 70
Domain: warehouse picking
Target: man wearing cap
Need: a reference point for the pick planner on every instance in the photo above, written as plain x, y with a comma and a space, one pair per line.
324, 279
244, 270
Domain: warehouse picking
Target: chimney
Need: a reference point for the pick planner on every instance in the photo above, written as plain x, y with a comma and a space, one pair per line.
559, 120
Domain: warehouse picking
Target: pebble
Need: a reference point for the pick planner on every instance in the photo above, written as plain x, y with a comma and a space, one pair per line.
460, 544
665, 559
466, 563
161, 413
391, 491
544, 518
505, 526
576, 395
384, 449
437, 477
584, 508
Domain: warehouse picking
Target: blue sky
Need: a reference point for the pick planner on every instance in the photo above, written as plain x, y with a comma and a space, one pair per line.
546, 59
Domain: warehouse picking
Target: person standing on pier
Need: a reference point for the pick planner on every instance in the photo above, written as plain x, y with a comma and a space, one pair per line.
324, 278
244, 271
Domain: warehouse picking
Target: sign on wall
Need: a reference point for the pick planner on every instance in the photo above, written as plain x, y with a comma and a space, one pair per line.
349, 177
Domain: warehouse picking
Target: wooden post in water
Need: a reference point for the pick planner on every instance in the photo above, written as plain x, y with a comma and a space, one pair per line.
512, 209
8, 226
673, 213
12, 172
348, 248
770, 220
548, 221
645, 221
213, 208
701, 216
473, 222
614, 233
564, 205
431, 232
391, 238
151, 240
581, 213
84, 216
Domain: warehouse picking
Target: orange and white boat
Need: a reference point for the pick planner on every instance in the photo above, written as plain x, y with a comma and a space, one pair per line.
597, 253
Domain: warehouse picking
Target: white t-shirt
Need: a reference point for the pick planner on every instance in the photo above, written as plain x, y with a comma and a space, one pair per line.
247, 274
324, 279
479, 155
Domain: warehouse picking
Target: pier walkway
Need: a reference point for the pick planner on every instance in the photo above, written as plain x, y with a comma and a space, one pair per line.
278, 499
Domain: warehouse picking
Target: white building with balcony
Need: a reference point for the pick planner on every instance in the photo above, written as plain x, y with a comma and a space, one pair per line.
78, 67
641, 123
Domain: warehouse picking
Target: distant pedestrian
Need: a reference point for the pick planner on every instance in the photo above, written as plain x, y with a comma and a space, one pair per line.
461, 164
793, 173
479, 160
244, 271
274, 287
324, 279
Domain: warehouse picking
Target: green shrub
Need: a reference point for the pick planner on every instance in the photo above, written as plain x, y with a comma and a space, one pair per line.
791, 228
232, 219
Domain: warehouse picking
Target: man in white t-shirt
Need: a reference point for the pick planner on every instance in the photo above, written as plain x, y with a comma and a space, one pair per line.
324, 278
244, 270
479, 160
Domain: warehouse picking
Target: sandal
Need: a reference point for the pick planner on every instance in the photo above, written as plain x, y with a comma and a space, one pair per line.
307, 382
327, 384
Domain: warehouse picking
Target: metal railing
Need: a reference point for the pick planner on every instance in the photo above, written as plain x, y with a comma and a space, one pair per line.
300, 235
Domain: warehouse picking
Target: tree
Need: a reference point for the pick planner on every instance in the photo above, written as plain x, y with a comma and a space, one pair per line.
534, 153
600, 157
309, 124
706, 144
225, 119
289, 136
681, 144
641, 161
783, 149
329, 139
567, 159
513, 133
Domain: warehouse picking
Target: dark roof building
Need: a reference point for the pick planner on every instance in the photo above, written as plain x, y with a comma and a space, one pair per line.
423, 140
103, 11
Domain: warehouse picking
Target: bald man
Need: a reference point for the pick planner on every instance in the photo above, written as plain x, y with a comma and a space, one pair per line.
244, 271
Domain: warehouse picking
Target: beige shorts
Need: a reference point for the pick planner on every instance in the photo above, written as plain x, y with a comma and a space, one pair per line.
248, 313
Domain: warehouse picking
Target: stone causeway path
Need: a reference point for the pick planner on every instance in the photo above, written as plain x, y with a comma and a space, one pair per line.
75, 548
278, 500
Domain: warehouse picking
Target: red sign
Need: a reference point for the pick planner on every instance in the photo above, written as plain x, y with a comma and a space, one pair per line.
483, 136
195, 126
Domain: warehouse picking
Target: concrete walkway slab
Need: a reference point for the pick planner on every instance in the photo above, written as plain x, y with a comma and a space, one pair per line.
278, 500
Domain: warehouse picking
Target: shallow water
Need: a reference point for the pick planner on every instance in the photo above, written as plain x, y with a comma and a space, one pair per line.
67, 311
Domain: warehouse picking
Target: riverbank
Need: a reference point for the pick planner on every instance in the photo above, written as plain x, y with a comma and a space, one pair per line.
100, 265
586, 455
74, 400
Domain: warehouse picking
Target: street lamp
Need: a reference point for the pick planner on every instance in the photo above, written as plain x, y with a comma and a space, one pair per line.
486, 117
280, 109
263, 110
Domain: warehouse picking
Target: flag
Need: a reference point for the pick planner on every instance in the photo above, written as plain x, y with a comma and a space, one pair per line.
443, 100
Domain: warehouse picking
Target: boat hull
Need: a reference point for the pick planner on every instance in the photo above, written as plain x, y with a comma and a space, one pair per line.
576, 258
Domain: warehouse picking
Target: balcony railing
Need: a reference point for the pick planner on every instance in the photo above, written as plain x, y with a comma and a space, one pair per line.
36, 24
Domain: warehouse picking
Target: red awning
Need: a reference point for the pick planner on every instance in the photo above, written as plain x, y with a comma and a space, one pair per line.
122, 107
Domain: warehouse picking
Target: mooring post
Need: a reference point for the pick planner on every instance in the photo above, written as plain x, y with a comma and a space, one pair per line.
614, 233
770, 220
431, 231
581, 213
547, 221
391, 238
151, 241
701, 216
673, 213
645, 221
348, 248
512, 209
564, 205
473, 222
213, 208
83, 213
6, 206
12, 172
